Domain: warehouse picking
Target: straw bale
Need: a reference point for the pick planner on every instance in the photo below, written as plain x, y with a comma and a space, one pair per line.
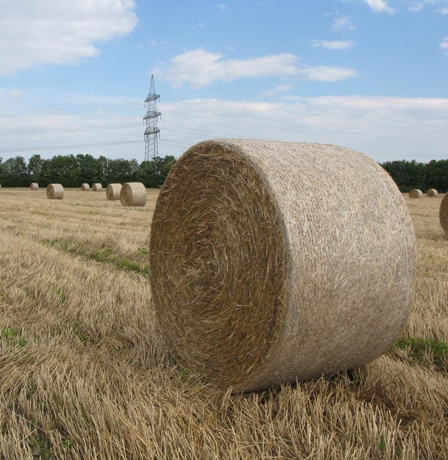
85, 187
133, 194
113, 191
443, 214
34, 186
263, 272
55, 192
415, 193
97, 187
432, 192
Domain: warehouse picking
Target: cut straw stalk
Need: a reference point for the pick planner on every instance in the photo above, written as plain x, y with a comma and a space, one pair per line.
133, 194
113, 191
55, 192
415, 193
262, 271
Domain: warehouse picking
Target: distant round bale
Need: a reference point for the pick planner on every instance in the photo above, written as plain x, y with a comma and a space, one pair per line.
133, 194
34, 186
85, 187
432, 192
263, 272
113, 191
55, 192
97, 187
415, 193
443, 214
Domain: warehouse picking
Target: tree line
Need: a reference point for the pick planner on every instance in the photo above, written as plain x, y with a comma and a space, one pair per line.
410, 174
72, 171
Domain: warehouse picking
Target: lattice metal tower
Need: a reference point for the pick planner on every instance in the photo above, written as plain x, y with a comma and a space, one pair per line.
152, 133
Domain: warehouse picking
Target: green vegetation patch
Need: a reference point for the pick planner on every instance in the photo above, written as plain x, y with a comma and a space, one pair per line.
105, 254
13, 337
419, 350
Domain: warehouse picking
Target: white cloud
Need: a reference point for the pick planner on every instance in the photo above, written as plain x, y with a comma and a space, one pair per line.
444, 45
199, 68
380, 6
332, 45
416, 7
443, 10
343, 23
222, 7
277, 90
42, 32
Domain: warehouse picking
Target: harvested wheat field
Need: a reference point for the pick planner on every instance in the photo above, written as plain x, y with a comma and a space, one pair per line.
85, 375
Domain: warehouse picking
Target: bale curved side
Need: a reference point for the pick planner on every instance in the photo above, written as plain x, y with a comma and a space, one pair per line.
97, 187
85, 187
55, 192
34, 186
443, 214
263, 272
133, 194
113, 191
415, 193
432, 192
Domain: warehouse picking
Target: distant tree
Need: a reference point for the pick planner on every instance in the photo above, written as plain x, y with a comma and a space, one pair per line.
14, 173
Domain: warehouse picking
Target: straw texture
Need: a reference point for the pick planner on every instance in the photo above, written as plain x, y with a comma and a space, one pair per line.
415, 193
133, 194
34, 186
443, 214
113, 191
85, 187
97, 187
55, 192
432, 192
263, 271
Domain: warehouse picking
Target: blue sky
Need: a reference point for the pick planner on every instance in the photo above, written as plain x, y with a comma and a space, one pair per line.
371, 75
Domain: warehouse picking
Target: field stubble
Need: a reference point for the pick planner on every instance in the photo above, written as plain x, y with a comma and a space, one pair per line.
84, 374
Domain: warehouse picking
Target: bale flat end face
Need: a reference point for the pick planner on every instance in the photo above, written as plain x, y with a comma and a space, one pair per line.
263, 272
133, 194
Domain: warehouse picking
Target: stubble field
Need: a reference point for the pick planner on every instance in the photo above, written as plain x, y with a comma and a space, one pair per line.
84, 375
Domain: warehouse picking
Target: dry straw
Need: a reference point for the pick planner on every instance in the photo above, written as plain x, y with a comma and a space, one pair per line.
85, 187
97, 187
34, 186
55, 192
113, 191
443, 214
432, 192
415, 193
133, 194
262, 271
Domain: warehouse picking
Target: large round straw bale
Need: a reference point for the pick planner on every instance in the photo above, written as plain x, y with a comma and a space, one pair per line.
85, 187
113, 191
55, 192
432, 192
34, 186
97, 187
263, 271
133, 194
443, 214
415, 193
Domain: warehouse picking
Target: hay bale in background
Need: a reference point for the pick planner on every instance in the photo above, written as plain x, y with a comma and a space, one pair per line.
415, 193
34, 186
97, 187
85, 187
133, 194
113, 191
55, 192
443, 214
262, 271
432, 192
